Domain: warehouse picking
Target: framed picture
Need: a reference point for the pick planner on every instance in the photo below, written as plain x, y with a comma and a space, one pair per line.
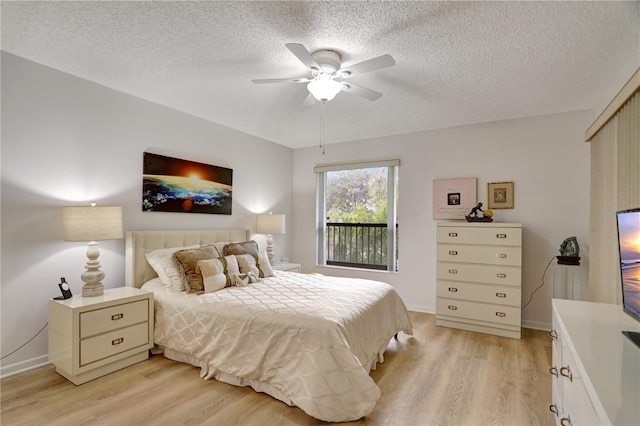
500, 195
453, 198
175, 185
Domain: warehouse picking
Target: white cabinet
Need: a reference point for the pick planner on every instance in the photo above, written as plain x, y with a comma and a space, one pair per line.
289, 267
595, 368
93, 336
479, 277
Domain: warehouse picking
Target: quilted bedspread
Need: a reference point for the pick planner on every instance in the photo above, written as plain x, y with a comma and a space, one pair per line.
307, 340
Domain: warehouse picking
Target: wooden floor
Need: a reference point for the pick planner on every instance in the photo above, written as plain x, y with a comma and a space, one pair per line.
439, 376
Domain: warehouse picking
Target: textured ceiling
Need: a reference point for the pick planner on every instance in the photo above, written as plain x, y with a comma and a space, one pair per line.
457, 62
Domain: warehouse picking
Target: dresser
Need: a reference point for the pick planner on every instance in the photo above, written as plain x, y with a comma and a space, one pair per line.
93, 336
595, 368
479, 273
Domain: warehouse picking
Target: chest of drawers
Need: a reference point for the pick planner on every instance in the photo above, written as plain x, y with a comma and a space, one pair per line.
479, 273
93, 336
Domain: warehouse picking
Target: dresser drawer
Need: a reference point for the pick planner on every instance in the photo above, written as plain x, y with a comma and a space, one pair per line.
494, 255
479, 235
488, 274
113, 317
500, 295
506, 315
112, 343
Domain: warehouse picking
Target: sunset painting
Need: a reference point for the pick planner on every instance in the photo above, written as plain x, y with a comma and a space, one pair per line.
629, 236
175, 185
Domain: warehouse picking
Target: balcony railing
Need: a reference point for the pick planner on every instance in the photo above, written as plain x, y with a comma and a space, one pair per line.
360, 245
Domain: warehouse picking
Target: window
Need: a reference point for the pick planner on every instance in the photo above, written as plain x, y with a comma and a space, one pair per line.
356, 214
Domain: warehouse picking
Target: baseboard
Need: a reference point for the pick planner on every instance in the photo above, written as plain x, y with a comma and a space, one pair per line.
536, 325
421, 309
20, 367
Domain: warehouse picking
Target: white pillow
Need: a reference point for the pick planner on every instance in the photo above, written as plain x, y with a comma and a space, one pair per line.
264, 265
161, 260
213, 276
247, 263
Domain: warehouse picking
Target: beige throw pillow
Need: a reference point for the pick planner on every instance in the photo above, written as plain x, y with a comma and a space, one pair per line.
213, 276
161, 260
247, 263
187, 261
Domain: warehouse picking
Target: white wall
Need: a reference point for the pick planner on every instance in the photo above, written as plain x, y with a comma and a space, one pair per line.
66, 141
546, 157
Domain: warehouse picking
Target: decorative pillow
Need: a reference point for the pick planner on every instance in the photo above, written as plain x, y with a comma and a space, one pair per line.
161, 260
243, 280
247, 263
187, 261
244, 247
264, 265
213, 276
231, 269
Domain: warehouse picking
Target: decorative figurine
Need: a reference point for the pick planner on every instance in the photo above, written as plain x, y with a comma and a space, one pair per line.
487, 216
569, 251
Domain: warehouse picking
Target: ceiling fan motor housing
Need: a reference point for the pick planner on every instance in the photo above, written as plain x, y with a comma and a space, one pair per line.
328, 60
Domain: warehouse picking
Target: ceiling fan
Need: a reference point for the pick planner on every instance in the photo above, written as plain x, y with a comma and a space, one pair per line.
327, 75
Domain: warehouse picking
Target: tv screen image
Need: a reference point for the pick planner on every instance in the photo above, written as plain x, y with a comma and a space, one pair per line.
629, 244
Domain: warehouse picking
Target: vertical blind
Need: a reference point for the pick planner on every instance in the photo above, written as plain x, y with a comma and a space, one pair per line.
615, 185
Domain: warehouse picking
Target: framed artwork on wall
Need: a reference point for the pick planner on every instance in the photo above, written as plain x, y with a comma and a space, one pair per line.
175, 185
500, 195
453, 198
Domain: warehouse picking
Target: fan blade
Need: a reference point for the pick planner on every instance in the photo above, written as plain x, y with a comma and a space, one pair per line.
309, 100
303, 55
354, 89
280, 80
373, 64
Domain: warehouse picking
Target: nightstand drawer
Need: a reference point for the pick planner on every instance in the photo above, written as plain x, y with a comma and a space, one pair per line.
113, 343
113, 317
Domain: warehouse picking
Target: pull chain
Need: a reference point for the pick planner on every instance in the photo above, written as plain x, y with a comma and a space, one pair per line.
322, 127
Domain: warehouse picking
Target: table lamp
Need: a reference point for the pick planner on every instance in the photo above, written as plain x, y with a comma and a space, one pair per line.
92, 224
270, 224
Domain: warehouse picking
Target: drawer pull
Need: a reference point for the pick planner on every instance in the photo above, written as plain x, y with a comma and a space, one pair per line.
117, 317
453, 271
565, 421
453, 252
554, 371
452, 308
554, 409
501, 235
566, 372
503, 295
453, 234
501, 275
501, 255
553, 334
117, 341
501, 314
453, 289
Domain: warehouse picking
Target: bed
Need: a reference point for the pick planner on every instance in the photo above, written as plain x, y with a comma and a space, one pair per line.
307, 340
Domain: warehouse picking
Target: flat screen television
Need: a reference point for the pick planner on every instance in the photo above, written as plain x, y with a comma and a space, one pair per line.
629, 245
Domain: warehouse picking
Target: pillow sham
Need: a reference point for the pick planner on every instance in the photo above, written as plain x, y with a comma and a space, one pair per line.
243, 247
187, 261
161, 260
247, 264
264, 265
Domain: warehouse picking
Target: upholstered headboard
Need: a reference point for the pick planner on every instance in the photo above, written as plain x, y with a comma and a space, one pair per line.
137, 269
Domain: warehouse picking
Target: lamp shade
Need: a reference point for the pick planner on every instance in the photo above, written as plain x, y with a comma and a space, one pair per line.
92, 223
270, 224
324, 89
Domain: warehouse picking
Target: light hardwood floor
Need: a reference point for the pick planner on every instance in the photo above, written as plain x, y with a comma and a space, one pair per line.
439, 376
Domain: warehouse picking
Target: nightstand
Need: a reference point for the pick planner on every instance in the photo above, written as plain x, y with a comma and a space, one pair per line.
90, 337
289, 267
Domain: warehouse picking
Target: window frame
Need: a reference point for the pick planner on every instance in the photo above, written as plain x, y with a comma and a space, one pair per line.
392, 197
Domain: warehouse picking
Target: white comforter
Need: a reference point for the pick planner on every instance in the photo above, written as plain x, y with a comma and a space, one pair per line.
309, 341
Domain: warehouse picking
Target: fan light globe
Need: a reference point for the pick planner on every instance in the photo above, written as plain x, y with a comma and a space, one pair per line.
324, 88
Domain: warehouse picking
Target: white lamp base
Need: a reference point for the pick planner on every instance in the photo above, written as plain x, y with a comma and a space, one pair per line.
270, 251
93, 276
